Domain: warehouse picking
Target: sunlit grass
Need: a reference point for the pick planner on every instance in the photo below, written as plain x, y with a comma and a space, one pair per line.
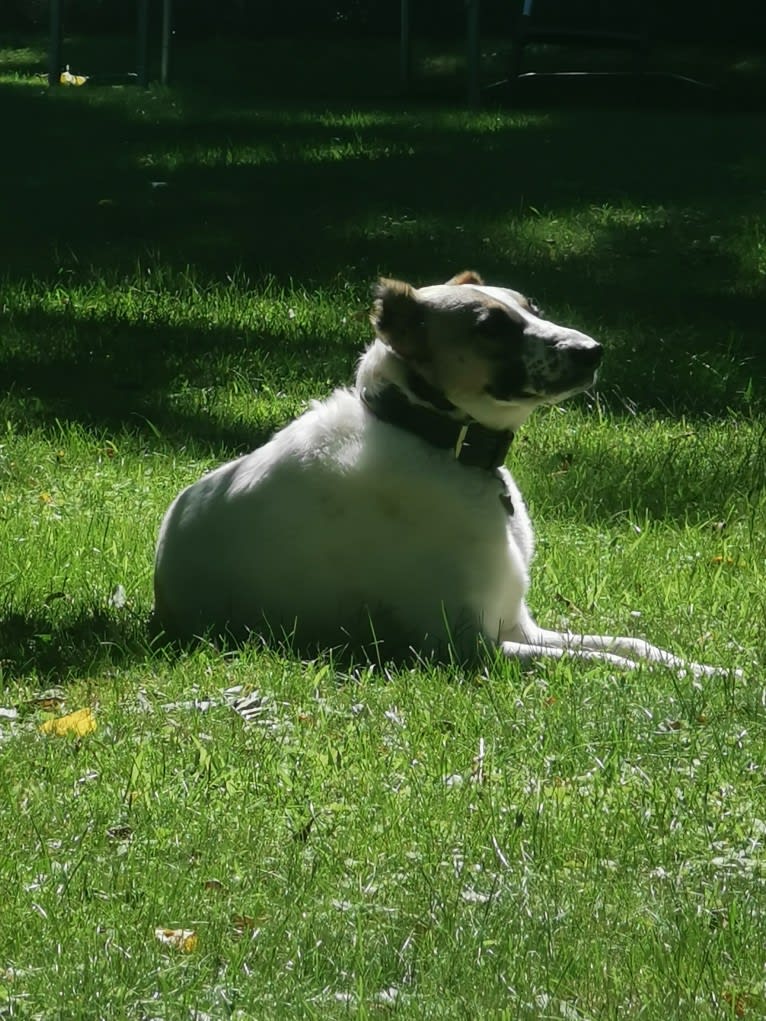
556, 842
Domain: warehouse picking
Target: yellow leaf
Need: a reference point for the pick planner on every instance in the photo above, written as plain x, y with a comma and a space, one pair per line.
79, 723
48, 700
67, 78
184, 940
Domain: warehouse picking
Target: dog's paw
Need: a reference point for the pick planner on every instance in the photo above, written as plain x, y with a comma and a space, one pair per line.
699, 670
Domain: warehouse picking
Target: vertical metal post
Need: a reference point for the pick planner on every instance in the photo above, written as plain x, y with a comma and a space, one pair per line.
142, 43
54, 43
405, 48
473, 54
167, 31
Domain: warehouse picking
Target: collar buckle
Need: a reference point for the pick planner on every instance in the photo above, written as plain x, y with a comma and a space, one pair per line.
487, 448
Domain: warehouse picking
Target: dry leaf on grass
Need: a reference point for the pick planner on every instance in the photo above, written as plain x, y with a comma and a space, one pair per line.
78, 723
185, 940
120, 833
242, 924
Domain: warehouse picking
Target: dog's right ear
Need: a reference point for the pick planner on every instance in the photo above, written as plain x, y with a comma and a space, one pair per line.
397, 316
468, 276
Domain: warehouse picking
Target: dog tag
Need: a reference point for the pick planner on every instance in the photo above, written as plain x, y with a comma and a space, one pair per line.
460, 441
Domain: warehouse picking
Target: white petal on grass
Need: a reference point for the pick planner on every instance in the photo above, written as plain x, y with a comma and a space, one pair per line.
394, 715
144, 705
88, 777
201, 705
390, 997
471, 896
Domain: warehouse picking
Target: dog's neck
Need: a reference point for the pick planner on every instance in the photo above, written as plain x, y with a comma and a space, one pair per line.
396, 394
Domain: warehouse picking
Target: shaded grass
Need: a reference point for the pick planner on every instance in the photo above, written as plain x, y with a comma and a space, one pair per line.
558, 842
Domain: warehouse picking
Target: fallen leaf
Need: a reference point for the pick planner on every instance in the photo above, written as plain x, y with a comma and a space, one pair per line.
120, 833
242, 924
185, 940
668, 726
67, 78
78, 723
48, 700
737, 1001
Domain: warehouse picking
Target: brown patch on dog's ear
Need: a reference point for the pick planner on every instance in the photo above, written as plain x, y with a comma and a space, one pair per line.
397, 316
466, 277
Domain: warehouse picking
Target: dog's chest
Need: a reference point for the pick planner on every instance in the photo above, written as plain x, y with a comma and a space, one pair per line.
402, 511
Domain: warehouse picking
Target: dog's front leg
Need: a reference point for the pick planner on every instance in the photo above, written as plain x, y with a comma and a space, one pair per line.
527, 641
528, 652
628, 650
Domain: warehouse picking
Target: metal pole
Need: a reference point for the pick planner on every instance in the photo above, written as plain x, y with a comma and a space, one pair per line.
405, 49
142, 43
473, 55
54, 44
167, 31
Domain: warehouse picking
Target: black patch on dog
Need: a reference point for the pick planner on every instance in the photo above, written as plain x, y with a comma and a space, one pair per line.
509, 379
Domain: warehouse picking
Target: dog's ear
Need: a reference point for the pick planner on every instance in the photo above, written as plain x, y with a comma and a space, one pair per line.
466, 277
397, 316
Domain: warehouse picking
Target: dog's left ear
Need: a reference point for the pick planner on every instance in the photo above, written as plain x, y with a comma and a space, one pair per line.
397, 316
466, 277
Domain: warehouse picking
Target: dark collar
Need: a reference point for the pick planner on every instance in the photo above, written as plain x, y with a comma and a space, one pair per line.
472, 444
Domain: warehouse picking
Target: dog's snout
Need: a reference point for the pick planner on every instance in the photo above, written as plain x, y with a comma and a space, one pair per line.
590, 355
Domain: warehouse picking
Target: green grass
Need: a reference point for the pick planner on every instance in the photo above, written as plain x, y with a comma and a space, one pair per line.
558, 842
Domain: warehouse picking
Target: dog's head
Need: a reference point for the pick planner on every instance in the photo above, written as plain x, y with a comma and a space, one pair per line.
487, 349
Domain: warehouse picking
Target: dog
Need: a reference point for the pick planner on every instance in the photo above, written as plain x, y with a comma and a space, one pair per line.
383, 520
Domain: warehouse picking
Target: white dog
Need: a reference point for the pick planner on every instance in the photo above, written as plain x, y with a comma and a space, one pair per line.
383, 519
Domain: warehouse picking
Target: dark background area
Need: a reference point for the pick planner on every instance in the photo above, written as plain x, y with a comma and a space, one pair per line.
680, 20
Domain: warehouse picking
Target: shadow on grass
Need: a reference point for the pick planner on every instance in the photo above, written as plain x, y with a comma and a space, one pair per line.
155, 380
337, 189
149, 379
54, 648
688, 479
255, 180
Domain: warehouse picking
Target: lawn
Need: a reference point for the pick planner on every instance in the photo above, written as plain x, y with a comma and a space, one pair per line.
254, 836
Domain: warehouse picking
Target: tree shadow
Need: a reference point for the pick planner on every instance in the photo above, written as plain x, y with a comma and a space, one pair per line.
219, 176
686, 478
150, 379
300, 193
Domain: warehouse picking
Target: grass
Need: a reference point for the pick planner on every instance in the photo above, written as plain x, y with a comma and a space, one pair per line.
558, 842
